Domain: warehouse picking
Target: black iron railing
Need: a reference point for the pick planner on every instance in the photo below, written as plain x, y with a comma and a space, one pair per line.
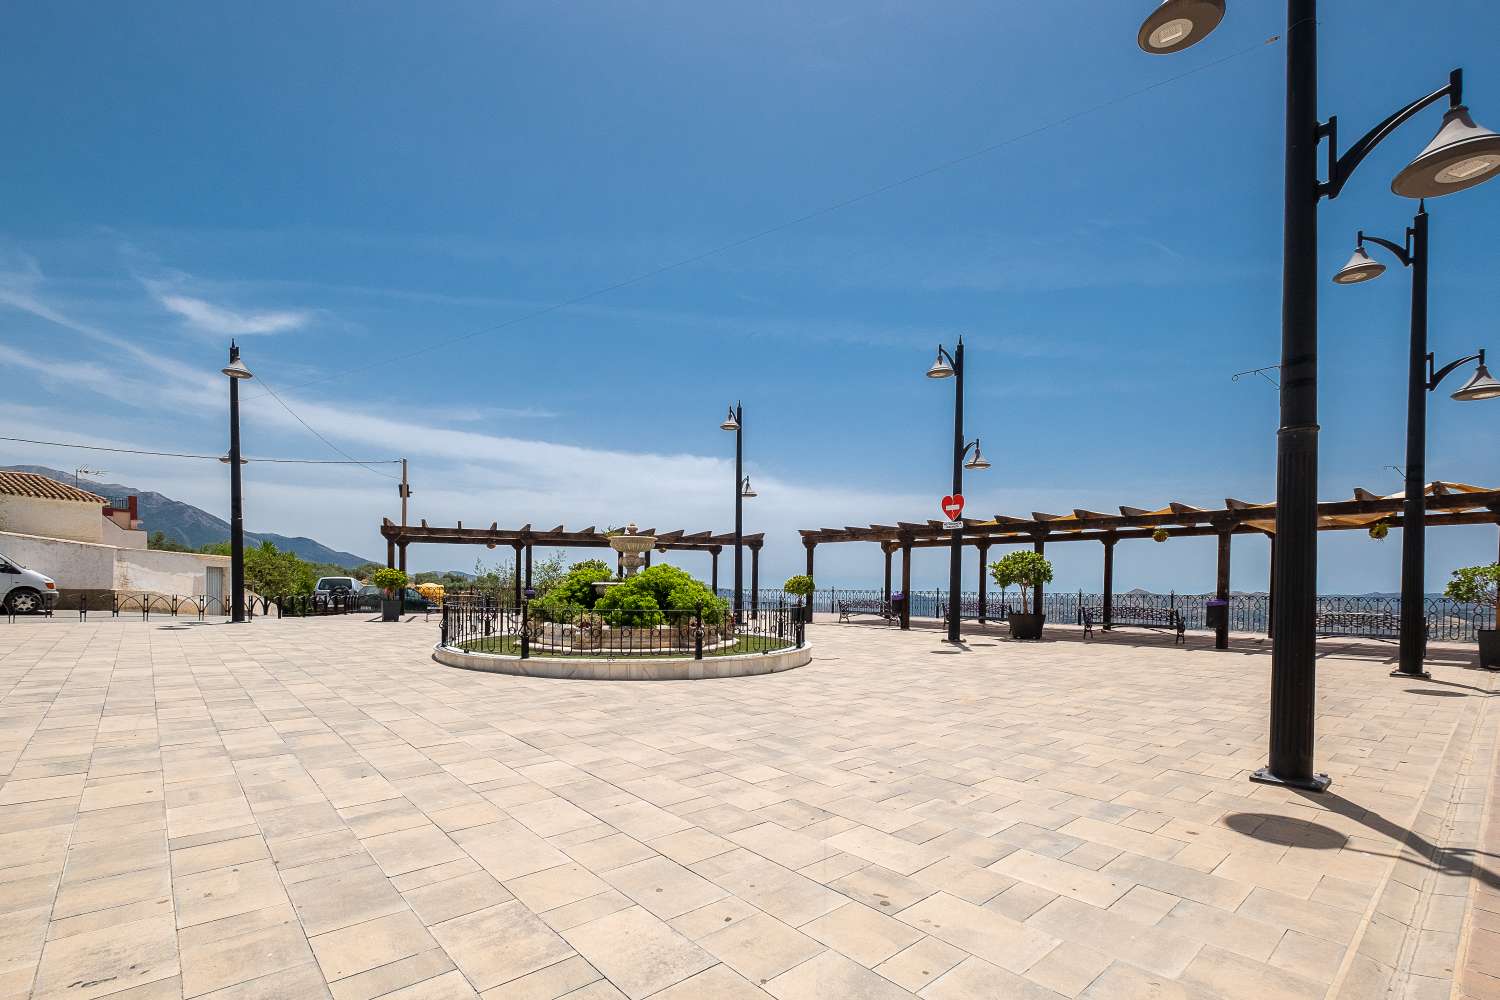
1447, 620
483, 627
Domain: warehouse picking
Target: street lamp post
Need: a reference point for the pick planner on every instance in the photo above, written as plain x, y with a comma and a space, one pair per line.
952, 366
1460, 156
1421, 379
735, 422
237, 373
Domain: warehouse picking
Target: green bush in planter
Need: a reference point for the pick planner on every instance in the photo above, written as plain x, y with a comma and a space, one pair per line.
391, 581
800, 585
1476, 585
659, 587
1024, 570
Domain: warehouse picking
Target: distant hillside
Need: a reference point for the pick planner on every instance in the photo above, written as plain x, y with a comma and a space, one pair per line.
193, 526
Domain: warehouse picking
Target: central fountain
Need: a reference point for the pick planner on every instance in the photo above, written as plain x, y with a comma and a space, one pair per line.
632, 547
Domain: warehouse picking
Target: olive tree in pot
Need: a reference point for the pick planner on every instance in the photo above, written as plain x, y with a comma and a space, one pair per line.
1025, 570
801, 586
1480, 585
392, 582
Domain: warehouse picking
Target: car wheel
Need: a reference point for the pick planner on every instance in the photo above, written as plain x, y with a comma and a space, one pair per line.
24, 602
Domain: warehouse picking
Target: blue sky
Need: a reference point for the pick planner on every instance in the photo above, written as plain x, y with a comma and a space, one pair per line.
358, 195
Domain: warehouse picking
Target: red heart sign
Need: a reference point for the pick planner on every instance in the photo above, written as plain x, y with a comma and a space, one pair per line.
953, 506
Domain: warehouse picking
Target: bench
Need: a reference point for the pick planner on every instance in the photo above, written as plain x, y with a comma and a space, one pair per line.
970, 610
881, 609
1383, 626
1136, 616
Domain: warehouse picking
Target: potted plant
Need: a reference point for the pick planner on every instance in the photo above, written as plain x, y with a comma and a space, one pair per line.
391, 582
1379, 530
1024, 570
801, 586
1480, 585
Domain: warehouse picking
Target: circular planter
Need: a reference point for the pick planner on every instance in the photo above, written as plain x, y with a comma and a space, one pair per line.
655, 668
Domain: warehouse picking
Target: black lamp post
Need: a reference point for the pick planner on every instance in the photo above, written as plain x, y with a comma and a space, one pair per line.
1460, 156
1421, 379
237, 373
952, 366
735, 421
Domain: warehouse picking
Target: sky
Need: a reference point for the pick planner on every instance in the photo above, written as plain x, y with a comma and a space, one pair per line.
537, 248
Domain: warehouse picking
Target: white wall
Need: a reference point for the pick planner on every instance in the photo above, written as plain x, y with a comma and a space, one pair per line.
125, 538
81, 522
85, 566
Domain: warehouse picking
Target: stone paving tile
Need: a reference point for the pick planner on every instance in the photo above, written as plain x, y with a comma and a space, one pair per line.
311, 824
638, 953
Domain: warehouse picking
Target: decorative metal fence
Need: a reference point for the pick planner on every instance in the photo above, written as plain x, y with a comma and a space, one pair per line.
202, 607
483, 627
1447, 620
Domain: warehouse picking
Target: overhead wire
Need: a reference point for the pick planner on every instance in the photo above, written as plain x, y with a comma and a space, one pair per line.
213, 458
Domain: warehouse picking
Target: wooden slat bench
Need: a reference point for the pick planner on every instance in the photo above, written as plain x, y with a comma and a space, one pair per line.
1383, 626
881, 609
970, 610
1136, 616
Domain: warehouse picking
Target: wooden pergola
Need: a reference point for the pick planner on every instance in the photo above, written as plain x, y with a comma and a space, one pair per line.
525, 538
1446, 503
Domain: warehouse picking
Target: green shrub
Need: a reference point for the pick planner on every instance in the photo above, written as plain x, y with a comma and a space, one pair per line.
800, 586
1021, 569
634, 610
1475, 585
659, 587
389, 580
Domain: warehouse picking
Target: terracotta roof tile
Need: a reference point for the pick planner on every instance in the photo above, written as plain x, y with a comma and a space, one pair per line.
28, 484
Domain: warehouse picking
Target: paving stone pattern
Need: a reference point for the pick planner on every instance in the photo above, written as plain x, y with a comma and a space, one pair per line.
315, 808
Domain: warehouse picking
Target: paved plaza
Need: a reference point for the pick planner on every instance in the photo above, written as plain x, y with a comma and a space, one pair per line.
314, 808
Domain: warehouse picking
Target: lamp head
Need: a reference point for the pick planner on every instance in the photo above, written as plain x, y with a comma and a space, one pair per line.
978, 462
1361, 267
940, 368
1460, 156
1482, 386
746, 490
236, 368
731, 423
1177, 24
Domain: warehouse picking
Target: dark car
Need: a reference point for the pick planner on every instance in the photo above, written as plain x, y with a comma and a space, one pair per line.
411, 600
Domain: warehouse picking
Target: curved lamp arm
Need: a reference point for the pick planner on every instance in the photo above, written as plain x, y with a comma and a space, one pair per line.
1434, 379
1341, 167
1405, 254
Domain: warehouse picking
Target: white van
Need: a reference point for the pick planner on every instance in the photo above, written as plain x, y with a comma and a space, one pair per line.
25, 591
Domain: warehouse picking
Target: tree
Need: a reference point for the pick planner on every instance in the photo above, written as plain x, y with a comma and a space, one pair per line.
158, 540
273, 573
1477, 585
1024, 570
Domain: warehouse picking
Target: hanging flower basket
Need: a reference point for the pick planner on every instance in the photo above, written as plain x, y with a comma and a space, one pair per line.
1160, 535
1379, 530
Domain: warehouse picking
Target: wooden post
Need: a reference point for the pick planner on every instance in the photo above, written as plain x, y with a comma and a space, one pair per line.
984, 554
886, 548
714, 584
401, 557
1036, 592
1109, 580
906, 584
755, 580
648, 558
810, 547
528, 567
390, 553
1221, 589
517, 588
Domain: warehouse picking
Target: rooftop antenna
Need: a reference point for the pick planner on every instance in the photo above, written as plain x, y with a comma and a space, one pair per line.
81, 471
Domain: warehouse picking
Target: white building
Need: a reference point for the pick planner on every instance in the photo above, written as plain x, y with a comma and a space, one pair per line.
93, 547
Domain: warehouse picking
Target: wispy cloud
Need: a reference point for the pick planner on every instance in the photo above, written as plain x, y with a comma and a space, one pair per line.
203, 315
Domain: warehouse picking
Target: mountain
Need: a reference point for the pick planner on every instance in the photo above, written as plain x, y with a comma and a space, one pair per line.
193, 526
